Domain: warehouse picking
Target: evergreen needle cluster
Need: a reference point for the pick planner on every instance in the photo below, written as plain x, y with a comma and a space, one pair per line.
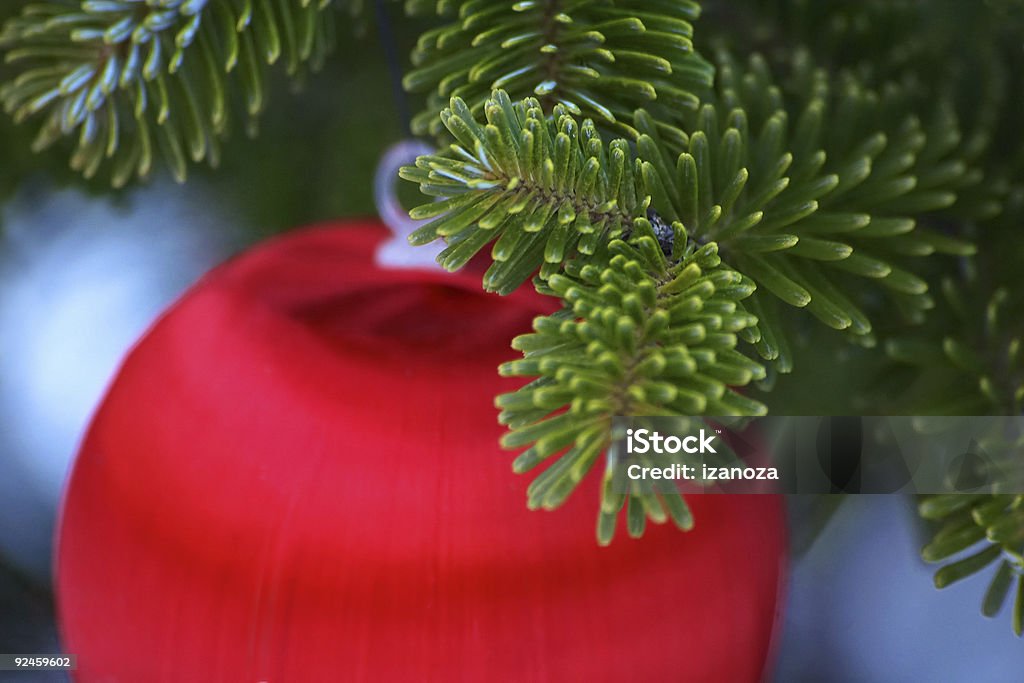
126, 77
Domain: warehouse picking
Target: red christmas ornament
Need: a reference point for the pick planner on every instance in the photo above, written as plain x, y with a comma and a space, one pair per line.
295, 477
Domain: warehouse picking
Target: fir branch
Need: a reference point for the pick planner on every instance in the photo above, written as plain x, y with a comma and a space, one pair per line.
967, 360
923, 46
973, 533
598, 59
802, 193
541, 188
646, 334
649, 322
125, 77
874, 38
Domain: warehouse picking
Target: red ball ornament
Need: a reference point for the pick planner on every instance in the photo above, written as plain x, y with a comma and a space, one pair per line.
295, 477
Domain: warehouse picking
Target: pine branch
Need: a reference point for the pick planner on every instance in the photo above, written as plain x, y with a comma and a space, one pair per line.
964, 364
965, 56
125, 77
968, 360
541, 188
650, 319
875, 38
599, 59
803, 192
646, 334
979, 531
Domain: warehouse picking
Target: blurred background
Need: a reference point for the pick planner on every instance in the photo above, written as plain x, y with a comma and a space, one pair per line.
81, 277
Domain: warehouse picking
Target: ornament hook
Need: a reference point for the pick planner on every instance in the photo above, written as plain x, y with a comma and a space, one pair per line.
397, 252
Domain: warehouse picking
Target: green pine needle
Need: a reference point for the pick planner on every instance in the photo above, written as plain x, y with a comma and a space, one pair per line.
816, 214
599, 59
646, 334
126, 79
991, 529
967, 359
540, 188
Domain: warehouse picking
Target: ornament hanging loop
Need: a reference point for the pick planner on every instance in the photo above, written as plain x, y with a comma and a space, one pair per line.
397, 252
